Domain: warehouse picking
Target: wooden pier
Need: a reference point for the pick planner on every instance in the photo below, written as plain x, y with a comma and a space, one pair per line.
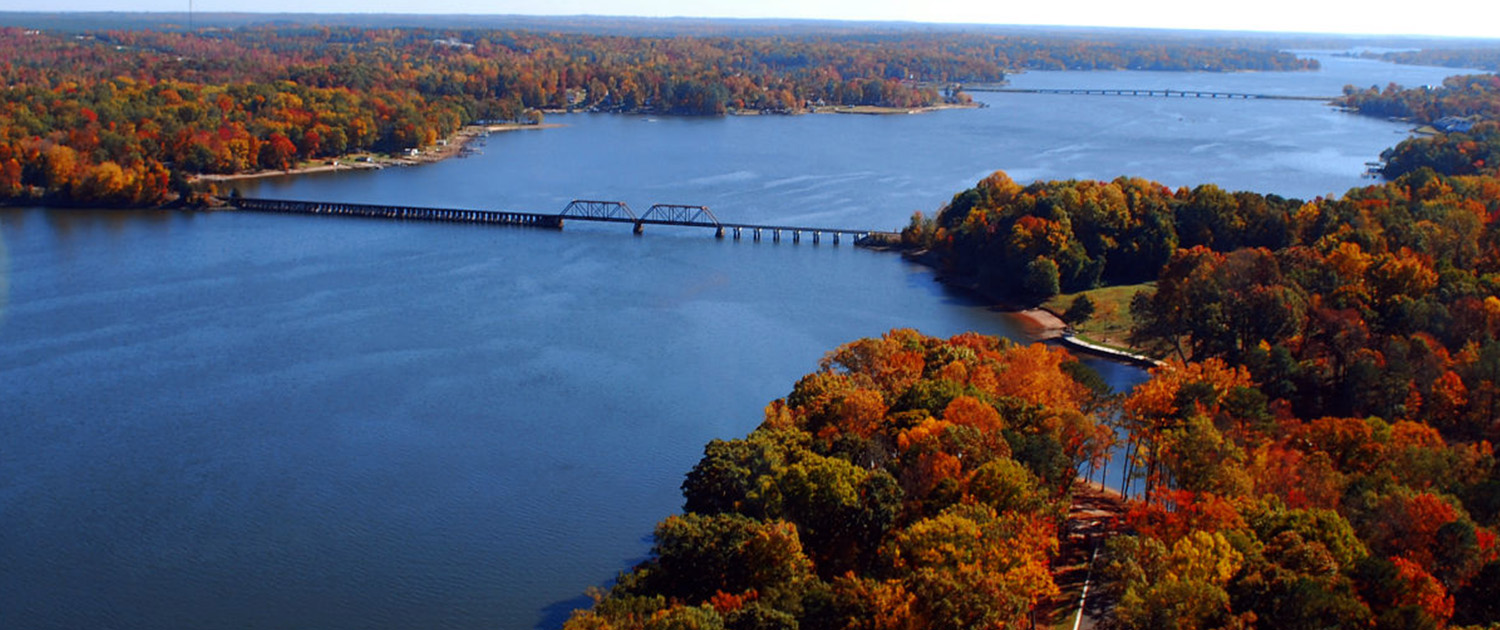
578, 210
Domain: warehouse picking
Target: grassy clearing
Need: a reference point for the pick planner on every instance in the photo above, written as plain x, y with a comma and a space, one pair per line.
1111, 322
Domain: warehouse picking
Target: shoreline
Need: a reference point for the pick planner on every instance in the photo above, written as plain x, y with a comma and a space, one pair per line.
1036, 323
452, 146
876, 110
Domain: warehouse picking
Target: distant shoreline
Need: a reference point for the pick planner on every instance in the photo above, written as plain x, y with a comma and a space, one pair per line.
452, 146
877, 110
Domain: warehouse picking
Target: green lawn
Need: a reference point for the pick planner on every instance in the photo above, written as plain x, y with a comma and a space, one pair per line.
1111, 322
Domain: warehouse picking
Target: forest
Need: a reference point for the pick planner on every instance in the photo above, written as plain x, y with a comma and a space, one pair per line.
914, 482
1482, 58
1472, 152
129, 117
1462, 96
1465, 111
910, 482
1283, 286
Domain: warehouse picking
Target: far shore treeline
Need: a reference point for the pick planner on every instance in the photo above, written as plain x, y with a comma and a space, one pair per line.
127, 117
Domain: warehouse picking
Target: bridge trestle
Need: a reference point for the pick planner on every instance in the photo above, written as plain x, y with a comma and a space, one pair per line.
585, 210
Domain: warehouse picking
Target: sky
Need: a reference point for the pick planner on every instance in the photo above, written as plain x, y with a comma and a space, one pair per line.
1459, 18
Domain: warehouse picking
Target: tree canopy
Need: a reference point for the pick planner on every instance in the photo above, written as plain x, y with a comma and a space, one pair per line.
1317, 449
911, 482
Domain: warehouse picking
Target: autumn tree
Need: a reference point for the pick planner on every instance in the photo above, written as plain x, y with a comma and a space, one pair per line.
882, 492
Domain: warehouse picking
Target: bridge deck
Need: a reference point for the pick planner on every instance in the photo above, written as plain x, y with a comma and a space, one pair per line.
537, 219
740, 226
1157, 92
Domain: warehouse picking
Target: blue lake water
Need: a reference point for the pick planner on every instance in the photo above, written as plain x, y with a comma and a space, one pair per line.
225, 420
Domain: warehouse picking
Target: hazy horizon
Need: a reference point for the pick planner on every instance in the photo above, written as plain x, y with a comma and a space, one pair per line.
1376, 18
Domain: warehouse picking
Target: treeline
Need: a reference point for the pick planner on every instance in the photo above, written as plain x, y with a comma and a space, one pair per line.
911, 482
1370, 342
1256, 516
1402, 267
1481, 58
1472, 95
1472, 152
1466, 110
1065, 236
125, 117
1032, 53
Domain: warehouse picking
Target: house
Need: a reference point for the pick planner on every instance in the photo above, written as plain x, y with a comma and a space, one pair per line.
1454, 124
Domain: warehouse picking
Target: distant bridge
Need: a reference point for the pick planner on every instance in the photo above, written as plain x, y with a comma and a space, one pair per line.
1162, 93
577, 210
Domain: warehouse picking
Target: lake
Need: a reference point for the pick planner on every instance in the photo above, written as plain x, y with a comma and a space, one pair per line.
235, 420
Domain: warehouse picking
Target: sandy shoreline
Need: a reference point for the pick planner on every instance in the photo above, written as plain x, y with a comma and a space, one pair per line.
1040, 324
451, 146
873, 110
1036, 323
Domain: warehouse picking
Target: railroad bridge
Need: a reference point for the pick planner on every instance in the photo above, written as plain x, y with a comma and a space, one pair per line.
577, 210
1157, 92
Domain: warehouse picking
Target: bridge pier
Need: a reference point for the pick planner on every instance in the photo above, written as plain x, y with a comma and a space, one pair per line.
776, 236
719, 232
757, 235
816, 234
640, 228
796, 236
835, 238
736, 234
